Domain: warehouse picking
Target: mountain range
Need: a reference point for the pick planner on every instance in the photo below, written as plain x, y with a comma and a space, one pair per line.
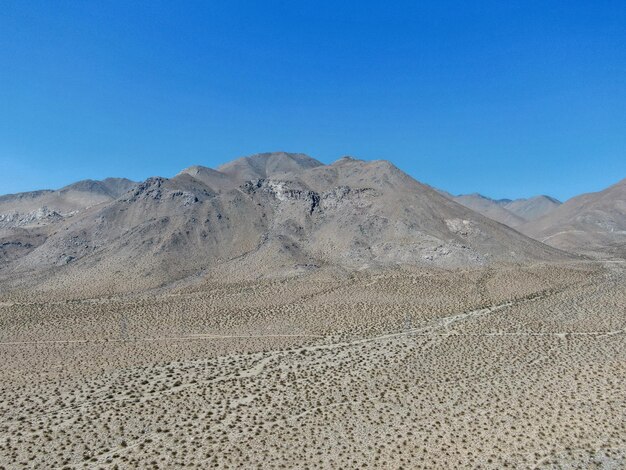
592, 223
277, 214
509, 212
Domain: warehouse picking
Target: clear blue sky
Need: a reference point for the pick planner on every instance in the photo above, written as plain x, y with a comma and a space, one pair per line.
507, 98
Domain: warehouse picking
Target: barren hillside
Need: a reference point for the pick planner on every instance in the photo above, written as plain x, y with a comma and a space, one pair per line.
593, 223
506, 211
490, 208
532, 208
294, 214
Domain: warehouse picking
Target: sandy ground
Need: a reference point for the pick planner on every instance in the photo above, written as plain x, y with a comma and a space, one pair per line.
488, 368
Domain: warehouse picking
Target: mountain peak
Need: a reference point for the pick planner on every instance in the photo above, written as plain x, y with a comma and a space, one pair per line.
264, 165
347, 159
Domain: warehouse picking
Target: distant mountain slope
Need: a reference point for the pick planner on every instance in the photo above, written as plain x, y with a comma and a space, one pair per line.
214, 179
46, 206
532, 208
591, 223
112, 187
265, 165
506, 211
490, 208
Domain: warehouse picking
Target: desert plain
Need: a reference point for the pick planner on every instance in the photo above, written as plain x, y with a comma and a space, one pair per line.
281, 313
502, 367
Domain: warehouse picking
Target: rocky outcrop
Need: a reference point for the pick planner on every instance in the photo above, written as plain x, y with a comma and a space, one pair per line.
41, 215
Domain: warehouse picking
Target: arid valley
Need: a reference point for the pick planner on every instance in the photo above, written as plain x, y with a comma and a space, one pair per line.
312, 235
281, 313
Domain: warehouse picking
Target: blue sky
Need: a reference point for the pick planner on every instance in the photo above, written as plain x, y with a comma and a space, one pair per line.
509, 99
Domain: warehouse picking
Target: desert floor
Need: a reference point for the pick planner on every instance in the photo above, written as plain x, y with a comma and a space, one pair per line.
509, 367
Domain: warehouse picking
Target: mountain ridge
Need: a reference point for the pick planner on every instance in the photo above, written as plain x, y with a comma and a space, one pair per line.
593, 223
511, 212
351, 214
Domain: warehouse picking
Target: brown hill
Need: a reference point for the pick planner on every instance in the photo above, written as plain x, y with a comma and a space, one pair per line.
593, 223
532, 208
265, 165
506, 211
490, 208
45, 206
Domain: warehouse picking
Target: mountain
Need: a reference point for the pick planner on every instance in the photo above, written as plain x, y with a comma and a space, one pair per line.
25, 217
532, 208
38, 208
294, 215
216, 180
265, 165
506, 211
490, 208
111, 187
593, 223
